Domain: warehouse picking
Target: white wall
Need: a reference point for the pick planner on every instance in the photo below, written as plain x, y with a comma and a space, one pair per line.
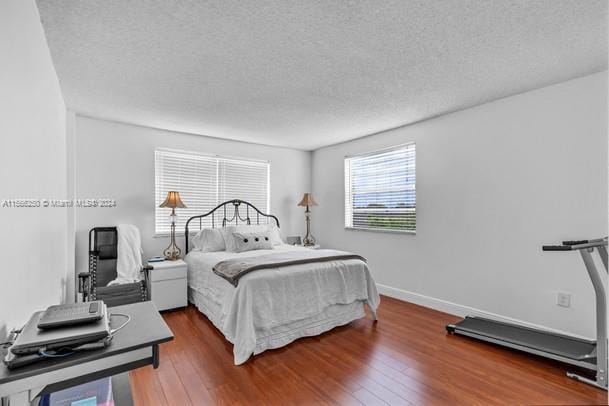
71, 282
494, 183
116, 160
32, 165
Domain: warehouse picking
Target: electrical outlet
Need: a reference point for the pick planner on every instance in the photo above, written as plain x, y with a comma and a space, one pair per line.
563, 299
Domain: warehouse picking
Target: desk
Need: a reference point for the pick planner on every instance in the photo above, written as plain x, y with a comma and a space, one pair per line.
134, 346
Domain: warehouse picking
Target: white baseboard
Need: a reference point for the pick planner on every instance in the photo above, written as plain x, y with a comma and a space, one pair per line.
460, 310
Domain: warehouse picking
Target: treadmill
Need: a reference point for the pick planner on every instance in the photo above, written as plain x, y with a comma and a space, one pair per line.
590, 355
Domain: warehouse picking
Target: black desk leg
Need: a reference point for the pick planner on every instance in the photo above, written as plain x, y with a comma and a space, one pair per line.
156, 359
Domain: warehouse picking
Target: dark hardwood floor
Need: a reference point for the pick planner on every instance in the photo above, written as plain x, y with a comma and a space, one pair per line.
405, 358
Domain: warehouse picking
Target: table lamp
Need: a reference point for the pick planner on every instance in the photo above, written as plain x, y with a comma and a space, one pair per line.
173, 200
307, 200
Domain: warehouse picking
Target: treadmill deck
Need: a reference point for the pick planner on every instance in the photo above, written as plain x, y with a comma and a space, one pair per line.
537, 341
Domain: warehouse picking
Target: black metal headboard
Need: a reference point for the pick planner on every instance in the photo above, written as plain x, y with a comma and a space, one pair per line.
224, 220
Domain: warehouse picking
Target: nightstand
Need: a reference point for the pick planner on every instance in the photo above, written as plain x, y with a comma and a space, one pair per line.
168, 283
312, 247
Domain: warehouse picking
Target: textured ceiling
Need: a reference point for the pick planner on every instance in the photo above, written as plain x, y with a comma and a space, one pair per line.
310, 73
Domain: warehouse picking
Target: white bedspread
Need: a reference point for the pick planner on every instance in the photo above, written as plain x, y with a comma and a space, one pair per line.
273, 297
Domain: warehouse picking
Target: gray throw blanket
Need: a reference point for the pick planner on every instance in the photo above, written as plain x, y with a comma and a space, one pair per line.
234, 269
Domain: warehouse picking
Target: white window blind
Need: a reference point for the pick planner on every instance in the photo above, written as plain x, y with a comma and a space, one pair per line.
204, 181
245, 180
380, 190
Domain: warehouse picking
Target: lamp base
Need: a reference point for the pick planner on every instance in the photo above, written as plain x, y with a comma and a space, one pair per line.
172, 252
308, 241
172, 255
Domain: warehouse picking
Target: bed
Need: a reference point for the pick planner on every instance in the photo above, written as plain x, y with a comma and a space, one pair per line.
271, 307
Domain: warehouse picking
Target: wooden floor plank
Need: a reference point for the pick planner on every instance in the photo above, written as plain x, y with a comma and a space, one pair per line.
180, 354
405, 358
146, 387
172, 386
368, 398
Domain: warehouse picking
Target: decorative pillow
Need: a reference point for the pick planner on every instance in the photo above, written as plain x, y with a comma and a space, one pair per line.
227, 233
209, 240
252, 241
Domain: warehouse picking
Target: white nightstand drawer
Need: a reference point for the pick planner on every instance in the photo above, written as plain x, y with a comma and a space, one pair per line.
168, 284
169, 294
168, 274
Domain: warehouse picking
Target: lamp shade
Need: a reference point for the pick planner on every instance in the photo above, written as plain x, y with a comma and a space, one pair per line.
307, 200
173, 200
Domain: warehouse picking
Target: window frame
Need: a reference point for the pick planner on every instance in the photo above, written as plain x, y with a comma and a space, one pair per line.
218, 158
348, 193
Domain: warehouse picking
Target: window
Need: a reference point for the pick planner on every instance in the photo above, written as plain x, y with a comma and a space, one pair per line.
380, 190
204, 181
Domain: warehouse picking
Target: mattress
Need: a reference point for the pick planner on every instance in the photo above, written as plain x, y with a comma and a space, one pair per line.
271, 308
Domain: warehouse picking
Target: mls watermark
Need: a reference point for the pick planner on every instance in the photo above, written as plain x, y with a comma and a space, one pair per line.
67, 203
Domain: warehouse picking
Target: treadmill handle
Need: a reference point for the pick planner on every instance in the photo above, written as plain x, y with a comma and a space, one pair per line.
556, 248
576, 242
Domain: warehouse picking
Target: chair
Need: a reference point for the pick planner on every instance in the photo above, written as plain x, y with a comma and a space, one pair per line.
93, 285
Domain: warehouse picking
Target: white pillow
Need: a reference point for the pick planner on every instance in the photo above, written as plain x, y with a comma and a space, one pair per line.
209, 240
227, 235
255, 240
227, 232
275, 235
